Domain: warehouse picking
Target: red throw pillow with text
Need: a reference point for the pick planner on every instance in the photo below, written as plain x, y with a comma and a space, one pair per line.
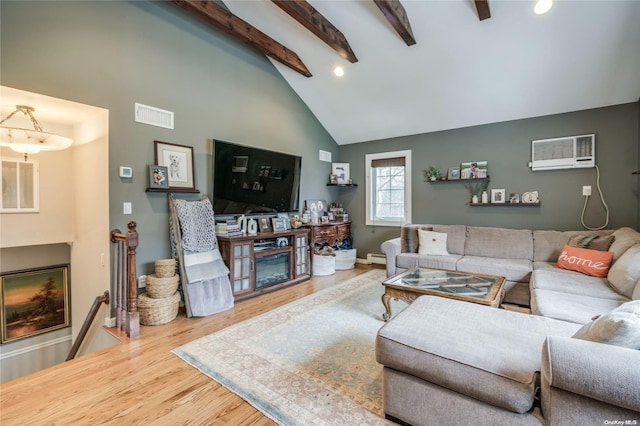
591, 262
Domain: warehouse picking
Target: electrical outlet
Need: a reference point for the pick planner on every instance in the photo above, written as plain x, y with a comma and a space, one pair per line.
586, 190
142, 281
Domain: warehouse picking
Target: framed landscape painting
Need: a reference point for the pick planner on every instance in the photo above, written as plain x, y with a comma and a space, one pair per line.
35, 301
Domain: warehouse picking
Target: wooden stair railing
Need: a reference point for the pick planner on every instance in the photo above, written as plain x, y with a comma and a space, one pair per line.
87, 323
126, 298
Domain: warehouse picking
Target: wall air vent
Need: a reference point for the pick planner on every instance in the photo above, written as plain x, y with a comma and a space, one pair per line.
570, 152
153, 116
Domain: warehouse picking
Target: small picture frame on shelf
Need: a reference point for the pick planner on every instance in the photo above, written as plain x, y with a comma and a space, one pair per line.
473, 170
341, 170
278, 223
453, 173
514, 198
498, 196
264, 224
158, 177
285, 217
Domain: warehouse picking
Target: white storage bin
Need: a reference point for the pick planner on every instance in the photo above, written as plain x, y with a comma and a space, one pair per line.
324, 265
345, 259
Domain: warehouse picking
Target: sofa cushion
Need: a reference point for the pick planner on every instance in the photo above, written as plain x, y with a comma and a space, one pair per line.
499, 242
511, 269
564, 281
620, 327
590, 262
411, 260
409, 237
625, 239
547, 244
571, 307
625, 272
432, 243
488, 354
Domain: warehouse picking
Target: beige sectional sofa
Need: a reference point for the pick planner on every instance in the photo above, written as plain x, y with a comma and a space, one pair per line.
448, 361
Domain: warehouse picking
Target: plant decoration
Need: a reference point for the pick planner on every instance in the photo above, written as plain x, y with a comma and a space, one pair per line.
477, 187
432, 173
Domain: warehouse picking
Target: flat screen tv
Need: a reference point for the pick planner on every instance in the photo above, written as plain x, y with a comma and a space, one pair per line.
249, 180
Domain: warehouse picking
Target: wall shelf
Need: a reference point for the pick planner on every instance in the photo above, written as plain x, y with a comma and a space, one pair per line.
457, 180
342, 184
504, 204
189, 190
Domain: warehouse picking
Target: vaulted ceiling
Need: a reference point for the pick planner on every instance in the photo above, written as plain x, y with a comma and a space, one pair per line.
414, 67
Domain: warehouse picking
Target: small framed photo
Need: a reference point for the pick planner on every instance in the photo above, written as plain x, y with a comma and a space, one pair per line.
279, 224
35, 301
514, 198
285, 217
264, 224
341, 170
178, 159
453, 173
497, 196
473, 170
158, 177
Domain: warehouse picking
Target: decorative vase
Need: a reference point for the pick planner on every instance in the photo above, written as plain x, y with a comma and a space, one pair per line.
485, 197
242, 223
474, 199
252, 227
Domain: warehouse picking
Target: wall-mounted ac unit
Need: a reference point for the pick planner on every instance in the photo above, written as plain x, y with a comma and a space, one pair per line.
569, 152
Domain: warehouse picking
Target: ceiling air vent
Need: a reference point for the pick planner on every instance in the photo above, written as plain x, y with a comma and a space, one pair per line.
154, 116
563, 153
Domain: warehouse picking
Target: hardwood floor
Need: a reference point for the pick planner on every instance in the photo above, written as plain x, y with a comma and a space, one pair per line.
141, 381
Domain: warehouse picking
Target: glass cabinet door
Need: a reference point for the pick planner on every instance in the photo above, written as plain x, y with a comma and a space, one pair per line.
242, 267
302, 255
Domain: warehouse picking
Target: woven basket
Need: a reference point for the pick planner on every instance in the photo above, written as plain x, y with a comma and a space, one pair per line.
165, 268
158, 288
158, 311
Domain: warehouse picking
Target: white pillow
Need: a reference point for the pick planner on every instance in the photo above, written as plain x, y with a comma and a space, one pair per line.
432, 243
620, 327
625, 272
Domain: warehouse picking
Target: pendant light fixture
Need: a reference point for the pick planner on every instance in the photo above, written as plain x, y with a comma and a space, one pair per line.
26, 141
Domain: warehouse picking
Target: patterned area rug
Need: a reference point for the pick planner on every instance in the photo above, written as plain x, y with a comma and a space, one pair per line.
310, 362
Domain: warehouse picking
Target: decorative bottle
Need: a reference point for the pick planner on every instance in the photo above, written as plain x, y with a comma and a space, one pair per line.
485, 197
474, 199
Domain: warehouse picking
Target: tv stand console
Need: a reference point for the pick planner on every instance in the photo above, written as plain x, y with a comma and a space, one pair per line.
266, 261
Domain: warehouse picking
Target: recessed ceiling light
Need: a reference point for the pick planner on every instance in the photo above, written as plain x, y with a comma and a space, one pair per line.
542, 6
339, 71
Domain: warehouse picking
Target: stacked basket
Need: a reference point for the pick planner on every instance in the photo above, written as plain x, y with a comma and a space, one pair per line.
159, 305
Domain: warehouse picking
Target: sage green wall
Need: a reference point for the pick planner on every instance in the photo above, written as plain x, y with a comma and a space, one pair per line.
507, 148
115, 53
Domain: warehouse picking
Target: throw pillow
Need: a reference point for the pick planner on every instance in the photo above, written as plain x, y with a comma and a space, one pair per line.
409, 237
592, 242
625, 272
590, 262
432, 243
620, 327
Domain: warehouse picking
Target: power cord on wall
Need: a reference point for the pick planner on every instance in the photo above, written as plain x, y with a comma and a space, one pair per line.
586, 200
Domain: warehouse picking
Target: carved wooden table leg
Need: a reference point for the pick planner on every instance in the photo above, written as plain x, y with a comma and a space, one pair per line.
387, 306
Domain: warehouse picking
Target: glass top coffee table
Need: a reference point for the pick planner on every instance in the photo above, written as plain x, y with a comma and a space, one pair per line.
476, 288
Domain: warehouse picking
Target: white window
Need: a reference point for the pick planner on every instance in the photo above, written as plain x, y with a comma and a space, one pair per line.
19, 186
388, 188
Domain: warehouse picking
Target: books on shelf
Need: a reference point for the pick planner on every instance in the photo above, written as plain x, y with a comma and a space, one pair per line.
228, 228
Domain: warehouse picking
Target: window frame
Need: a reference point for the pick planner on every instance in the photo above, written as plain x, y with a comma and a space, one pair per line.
34, 191
371, 188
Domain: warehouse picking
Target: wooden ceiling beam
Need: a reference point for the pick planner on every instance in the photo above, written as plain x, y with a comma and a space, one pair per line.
222, 19
482, 6
311, 19
397, 17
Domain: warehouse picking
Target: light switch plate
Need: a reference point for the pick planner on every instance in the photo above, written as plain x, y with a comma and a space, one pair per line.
125, 172
127, 208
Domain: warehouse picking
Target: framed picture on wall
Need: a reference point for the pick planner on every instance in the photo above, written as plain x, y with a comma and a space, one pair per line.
34, 301
342, 172
178, 159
